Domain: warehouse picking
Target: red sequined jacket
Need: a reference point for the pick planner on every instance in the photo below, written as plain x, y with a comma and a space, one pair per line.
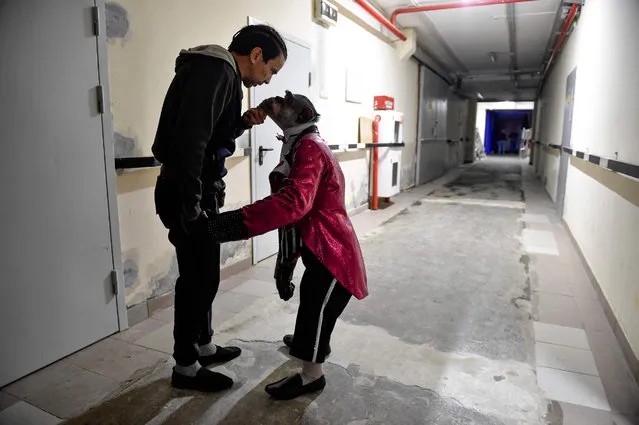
312, 198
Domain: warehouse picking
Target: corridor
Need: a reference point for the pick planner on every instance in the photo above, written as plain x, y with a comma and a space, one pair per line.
480, 312
503, 286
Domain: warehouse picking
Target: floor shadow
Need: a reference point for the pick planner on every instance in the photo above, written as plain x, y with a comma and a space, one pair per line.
143, 403
257, 408
137, 406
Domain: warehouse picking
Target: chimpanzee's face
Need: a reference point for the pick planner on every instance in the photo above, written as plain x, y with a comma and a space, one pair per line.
284, 111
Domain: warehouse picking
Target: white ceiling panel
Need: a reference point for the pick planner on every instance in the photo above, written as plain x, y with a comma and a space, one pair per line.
534, 23
429, 39
462, 40
472, 34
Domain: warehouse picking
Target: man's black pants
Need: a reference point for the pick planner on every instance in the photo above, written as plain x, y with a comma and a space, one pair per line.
198, 260
198, 282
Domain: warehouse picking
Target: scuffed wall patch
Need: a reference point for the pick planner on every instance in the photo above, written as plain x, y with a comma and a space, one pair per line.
117, 21
233, 252
163, 284
356, 172
131, 272
358, 194
123, 146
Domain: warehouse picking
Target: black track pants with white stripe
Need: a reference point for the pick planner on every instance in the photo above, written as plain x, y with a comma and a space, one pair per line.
322, 301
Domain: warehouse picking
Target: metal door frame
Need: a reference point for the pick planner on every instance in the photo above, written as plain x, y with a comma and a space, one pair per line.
109, 161
252, 144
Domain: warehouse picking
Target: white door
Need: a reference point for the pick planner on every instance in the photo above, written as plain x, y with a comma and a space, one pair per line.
294, 76
54, 218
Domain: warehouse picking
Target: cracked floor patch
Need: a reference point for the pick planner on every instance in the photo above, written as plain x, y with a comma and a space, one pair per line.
352, 398
451, 283
468, 378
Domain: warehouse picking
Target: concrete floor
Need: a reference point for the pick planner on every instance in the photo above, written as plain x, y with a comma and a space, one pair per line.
480, 312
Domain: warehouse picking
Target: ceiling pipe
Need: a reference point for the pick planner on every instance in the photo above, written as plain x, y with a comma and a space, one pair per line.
562, 36
381, 19
459, 5
556, 29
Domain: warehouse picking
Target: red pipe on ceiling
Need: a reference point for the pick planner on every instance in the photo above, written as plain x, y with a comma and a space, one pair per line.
381, 18
459, 5
562, 36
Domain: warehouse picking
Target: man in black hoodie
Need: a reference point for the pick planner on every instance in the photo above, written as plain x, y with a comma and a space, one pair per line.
200, 120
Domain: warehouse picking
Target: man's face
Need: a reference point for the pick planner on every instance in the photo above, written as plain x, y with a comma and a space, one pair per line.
261, 72
284, 111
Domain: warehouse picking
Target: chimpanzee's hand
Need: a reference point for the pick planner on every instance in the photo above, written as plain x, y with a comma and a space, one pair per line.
286, 288
253, 116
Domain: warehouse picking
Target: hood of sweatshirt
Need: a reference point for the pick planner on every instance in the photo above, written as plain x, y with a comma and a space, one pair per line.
211, 50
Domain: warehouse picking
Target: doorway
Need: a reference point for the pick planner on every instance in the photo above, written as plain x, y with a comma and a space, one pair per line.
564, 161
503, 131
296, 77
57, 184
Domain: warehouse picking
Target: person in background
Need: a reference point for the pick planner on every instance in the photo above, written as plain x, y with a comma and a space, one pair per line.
501, 143
199, 122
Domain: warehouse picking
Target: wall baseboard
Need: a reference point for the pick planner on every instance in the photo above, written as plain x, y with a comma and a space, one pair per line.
358, 210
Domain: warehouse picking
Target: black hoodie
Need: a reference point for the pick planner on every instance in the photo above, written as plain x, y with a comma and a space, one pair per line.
199, 122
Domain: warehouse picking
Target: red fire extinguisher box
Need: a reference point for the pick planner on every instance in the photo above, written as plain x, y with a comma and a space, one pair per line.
382, 103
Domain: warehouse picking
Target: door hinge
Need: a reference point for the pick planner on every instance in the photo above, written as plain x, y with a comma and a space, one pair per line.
99, 92
309, 79
114, 281
95, 13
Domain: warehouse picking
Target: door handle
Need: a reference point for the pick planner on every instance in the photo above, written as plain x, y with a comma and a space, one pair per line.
260, 155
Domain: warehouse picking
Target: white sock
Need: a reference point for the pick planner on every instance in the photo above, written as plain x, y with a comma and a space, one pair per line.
190, 370
208, 349
311, 372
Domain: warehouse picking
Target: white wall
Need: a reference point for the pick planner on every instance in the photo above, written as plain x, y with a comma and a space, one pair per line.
551, 112
348, 46
141, 66
606, 107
